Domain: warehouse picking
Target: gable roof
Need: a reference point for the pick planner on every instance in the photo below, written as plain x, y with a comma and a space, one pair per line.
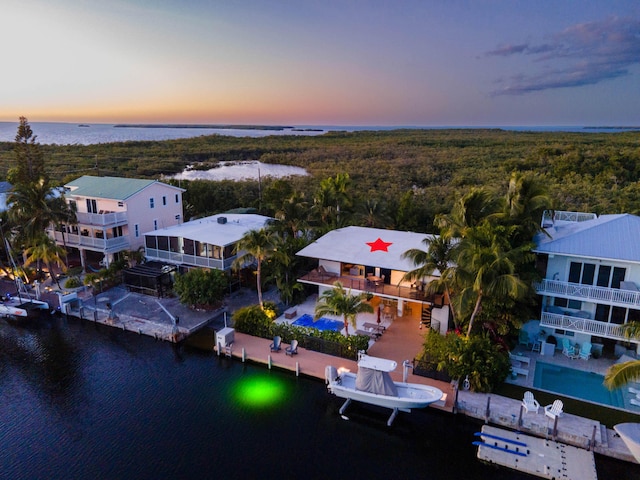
351, 245
114, 188
611, 237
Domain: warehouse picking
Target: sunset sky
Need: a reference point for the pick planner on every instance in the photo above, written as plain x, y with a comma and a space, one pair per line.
322, 62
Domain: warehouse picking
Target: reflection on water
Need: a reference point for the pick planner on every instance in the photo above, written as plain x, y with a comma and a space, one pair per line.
80, 400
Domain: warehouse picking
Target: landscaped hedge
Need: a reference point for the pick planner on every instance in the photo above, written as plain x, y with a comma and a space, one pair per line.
254, 321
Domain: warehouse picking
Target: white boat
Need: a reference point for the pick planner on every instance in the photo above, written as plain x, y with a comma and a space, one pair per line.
373, 385
13, 307
630, 435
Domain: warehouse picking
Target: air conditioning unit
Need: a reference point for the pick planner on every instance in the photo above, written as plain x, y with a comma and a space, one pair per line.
222, 220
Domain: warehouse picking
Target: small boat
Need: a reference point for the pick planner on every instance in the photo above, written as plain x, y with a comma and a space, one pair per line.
11, 307
630, 435
373, 385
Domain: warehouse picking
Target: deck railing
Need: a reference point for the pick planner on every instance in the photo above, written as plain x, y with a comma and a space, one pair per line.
192, 260
610, 296
363, 285
102, 219
582, 325
106, 245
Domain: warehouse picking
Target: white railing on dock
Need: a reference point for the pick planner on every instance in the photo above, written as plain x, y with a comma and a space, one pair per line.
610, 296
582, 325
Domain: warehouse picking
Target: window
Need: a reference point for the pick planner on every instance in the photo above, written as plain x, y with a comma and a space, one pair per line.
188, 246
618, 315
164, 200
116, 231
602, 313
618, 276
604, 272
155, 224
150, 241
583, 273
575, 304
151, 203
177, 198
163, 243
92, 206
121, 204
136, 229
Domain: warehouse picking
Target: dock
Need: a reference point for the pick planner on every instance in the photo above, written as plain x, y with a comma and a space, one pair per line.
540, 457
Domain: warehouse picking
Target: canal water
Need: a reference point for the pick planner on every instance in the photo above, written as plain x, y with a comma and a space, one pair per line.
79, 400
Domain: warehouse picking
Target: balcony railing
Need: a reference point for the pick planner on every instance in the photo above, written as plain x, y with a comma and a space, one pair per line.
102, 219
192, 260
108, 245
360, 284
550, 216
610, 296
582, 325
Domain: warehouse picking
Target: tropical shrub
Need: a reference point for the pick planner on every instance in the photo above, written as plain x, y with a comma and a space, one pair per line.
72, 282
257, 322
201, 288
485, 363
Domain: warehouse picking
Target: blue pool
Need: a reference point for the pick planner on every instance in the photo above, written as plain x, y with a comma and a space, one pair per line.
576, 383
306, 320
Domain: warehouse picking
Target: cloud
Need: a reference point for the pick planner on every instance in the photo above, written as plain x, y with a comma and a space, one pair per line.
583, 54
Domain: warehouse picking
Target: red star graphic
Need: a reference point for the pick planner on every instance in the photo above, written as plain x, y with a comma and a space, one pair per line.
379, 244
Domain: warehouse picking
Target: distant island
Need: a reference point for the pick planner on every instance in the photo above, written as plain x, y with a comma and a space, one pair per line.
611, 128
218, 127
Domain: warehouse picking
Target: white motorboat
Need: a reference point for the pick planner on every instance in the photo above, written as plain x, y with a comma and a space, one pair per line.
630, 435
14, 307
373, 385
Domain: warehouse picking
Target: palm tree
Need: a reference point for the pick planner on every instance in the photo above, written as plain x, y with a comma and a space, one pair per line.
284, 265
620, 374
527, 198
437, 256
45, 250
293, 214
257, 246
340, 302
487, 266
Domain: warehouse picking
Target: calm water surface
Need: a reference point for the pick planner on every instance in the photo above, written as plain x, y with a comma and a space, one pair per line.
79, 400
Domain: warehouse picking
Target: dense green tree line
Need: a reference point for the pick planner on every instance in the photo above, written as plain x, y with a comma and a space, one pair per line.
409, 176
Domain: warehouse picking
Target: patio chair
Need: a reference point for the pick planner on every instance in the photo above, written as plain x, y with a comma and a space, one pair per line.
292, 349
276, 345
554, 410
523, 338
585, 351
567, 349
635, 391
529, 403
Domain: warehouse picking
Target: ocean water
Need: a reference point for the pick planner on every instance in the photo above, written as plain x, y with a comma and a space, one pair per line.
93, 133
80, 400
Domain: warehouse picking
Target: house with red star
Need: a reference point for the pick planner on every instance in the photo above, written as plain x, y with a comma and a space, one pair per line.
371, 260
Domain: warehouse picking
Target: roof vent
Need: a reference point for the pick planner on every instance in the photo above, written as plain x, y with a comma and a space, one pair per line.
222, 220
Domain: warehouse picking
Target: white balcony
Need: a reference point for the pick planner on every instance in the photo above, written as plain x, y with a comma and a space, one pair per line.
106, 245
583, 325
102, 219
574, 291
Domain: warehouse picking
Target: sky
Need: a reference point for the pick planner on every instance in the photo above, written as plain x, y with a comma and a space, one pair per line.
322, 62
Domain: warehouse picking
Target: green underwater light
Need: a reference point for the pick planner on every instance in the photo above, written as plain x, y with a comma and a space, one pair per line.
260, 391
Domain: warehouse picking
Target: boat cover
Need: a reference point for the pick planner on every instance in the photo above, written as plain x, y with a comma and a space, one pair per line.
375, 381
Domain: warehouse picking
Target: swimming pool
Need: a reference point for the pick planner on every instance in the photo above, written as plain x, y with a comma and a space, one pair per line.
306, 320
576, 383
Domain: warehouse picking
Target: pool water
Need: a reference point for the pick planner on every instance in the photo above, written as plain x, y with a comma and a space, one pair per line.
576, 383
306, 320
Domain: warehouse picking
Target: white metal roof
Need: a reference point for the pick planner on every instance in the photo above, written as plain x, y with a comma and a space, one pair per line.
352, 245
208, 230
611, 237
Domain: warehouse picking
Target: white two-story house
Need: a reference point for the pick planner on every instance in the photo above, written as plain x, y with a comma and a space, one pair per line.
371, 260
591, 269
113, 213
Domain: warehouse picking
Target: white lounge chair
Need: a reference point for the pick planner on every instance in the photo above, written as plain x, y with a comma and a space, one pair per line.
529, 403
635, 402
554, 410
635, 391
